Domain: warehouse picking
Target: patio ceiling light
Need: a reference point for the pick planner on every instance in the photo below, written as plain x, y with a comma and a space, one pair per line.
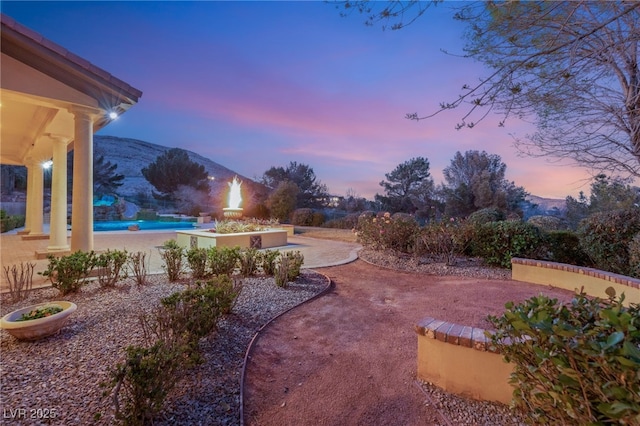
47, 164
113, 115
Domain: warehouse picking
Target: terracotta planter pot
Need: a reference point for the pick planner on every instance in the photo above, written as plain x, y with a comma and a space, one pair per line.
37, 328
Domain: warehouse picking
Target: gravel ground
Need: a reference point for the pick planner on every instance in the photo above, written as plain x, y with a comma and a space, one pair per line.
59, 377
57, 380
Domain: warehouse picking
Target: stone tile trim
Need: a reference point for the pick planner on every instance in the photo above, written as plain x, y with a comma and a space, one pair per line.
596, 273
455, 334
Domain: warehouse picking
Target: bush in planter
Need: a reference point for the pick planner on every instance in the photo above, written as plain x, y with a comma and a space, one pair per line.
576, 363
67, 273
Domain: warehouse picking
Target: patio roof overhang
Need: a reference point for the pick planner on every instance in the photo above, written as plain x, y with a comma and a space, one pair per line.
40, 82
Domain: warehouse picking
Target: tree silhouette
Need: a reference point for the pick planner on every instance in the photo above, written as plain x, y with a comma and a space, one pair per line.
172, 170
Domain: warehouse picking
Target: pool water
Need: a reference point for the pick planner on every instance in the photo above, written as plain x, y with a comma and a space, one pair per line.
123, 225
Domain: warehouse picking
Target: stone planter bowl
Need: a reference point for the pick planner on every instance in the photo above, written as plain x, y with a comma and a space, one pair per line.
37, 328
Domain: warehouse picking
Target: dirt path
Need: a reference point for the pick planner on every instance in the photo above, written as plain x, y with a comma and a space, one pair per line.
349, 357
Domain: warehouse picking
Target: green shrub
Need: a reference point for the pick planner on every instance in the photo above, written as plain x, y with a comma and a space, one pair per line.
138, 264
605, 237
288, 268
574, 364
268, 260
445, 240
249, 260
146, 214
197, 260
67, 273
498, 242
172, 254
347, 222
634, 255
111, 267
318, 219
564, 247
8, 223
145, 379
548, 223
486, 215
302, 217
396, 233
222, 260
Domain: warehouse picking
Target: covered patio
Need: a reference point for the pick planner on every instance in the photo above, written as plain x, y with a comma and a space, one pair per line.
52, 102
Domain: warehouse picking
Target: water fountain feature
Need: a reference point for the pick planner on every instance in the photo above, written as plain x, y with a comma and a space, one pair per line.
234, 211
274, 237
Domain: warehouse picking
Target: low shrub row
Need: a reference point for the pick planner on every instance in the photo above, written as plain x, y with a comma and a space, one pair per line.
607, 241
215, 261
139, 385
69, 273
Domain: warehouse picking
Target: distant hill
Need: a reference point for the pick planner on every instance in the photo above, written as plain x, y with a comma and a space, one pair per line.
546, 204
132, 155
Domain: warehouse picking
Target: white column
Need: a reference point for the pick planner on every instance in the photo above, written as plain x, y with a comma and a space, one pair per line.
58, 224
82, 198
35, 205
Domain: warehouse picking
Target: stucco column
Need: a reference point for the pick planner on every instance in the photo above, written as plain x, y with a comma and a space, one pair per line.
82, 199
58, 224
35, 193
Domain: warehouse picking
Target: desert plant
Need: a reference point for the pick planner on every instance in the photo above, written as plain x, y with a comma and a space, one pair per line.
172, 255
110, 266
268, 260
20, 280
576, 363
248, 259
222, 260
67, 273
144, 379
296, 259
139, 266
605, 238
288, 268
281, 274
197, 260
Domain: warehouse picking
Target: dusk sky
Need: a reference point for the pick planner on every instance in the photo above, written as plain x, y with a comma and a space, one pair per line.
253, 85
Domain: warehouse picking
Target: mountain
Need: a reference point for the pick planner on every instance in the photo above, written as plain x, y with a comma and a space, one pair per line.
546, 204
132, 155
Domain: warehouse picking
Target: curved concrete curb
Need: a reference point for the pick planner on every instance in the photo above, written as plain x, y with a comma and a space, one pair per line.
330, 285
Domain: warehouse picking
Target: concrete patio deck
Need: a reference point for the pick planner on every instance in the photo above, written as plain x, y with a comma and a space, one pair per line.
13, 250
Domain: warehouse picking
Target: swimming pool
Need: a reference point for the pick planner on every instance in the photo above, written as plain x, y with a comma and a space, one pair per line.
123, 225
